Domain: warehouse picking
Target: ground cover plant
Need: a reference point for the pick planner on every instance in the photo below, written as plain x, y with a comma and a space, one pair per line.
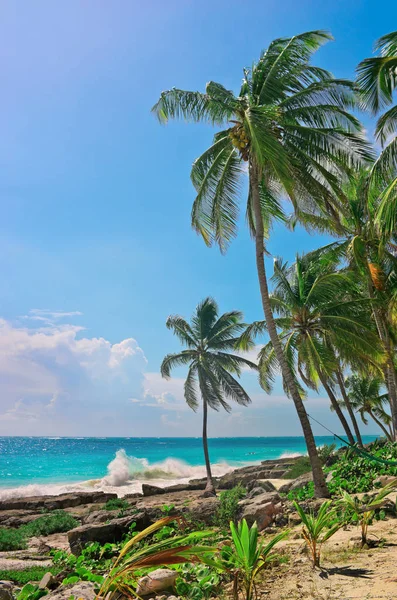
57, 521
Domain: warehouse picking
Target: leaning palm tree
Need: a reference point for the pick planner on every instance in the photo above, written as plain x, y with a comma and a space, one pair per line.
321, 320
366, 399
209, 339
289, 129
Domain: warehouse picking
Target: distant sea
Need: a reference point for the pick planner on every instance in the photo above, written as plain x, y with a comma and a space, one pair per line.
51, 465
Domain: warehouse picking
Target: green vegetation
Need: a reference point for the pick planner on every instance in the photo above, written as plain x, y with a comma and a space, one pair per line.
247, 556
209, 339
317, 529
228, 506
55, 522
116, 504
300, 467
26, 575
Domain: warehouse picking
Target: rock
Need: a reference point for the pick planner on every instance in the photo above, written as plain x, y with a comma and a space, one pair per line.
151, 490
198, 484
256, 491
48, 582
6, 588
156, 581
262, 483
98, 516
178, 487
294, 519
56, 502
105, 532
204, 510
132, 496
384, 480
262, 509
297, 483
84, 590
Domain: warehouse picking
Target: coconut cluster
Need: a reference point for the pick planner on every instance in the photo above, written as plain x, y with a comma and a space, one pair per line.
240, 140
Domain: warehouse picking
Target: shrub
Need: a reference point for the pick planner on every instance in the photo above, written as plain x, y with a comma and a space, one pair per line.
317, 529
304, 493
12, 539
301, 467
57, 521
116, 504
228, 506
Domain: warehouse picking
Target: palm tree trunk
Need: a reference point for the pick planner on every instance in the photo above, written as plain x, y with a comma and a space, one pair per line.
337, 408
380, 424
209, 488
320, 486
349, 408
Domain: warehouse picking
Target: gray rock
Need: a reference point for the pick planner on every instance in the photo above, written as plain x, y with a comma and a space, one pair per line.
204, 510
297, 483
151, 490
56, 502
48, 582
84, 590
263, 483
156, 581
105, 532
256, 491
385, 480
262, 509
6, 588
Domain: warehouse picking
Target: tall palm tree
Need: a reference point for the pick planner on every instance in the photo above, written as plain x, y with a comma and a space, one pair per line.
365, 396
209, 339
320, 321
370, 250
289, 129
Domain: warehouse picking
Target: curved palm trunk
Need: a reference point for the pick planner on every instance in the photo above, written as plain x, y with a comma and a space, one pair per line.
349, 408
320, 486
337, 408
209, 488
380, 424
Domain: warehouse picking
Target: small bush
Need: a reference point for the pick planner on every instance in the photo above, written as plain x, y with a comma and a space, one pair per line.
116, 504
228, 506
12, 539
301, 467
57, 521
304, 493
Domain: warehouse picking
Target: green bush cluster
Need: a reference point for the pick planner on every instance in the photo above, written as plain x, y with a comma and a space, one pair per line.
228, 506
57, 521
26, 575
116, 504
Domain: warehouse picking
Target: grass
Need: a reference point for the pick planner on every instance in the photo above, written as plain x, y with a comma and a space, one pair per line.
26, 575
56, 522
116, 504
301, 467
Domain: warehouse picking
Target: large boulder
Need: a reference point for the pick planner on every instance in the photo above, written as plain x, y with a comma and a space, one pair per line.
265, 484
6, 588
204, 510
156, 581
262, 509
105, 532
297, 483
84, 590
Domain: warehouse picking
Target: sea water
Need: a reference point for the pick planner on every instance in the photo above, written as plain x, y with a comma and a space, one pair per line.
48, 465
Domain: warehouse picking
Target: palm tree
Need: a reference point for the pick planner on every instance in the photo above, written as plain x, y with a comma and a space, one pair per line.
366, 399
289, 129
371, 251
321, 322
209, 339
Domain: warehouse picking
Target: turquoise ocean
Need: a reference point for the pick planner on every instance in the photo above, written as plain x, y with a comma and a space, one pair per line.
44, 465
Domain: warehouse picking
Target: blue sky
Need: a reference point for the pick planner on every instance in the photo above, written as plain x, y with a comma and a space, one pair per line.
96, 200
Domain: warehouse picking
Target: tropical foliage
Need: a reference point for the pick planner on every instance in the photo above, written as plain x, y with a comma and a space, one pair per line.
318, 528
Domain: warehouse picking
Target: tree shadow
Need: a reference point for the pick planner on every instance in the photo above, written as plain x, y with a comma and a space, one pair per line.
347, 571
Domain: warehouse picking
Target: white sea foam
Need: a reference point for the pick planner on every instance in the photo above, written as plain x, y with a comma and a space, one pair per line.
125, 475
291, 454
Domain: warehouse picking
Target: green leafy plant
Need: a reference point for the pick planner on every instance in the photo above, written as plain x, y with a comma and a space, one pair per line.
197, 581
31, 591
304, 493
12, 539
57, 521
300, 467
21, 577
176, 550
325, 452
362, 510
247, 556
116, 504
228, 506
317, 529
167, 508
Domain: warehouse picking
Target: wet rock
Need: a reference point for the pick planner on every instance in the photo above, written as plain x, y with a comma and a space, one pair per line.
262, 509
156, 581
105, 532
56, 502
151, 490
84, 590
